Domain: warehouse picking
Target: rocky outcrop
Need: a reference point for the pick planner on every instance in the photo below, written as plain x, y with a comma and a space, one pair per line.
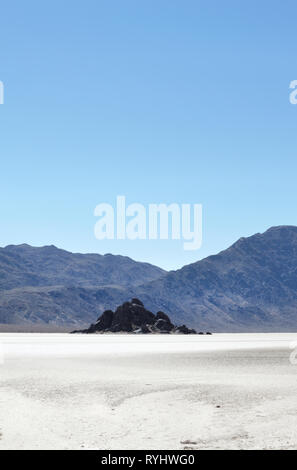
133, 317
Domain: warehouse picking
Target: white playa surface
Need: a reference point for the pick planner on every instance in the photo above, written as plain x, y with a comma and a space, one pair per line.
226, 391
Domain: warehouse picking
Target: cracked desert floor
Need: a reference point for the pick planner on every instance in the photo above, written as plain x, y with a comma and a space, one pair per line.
225, 391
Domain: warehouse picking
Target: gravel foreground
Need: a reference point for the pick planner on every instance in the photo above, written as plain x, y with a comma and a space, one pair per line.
226, 391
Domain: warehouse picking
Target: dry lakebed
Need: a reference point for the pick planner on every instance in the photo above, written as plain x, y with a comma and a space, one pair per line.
225, 391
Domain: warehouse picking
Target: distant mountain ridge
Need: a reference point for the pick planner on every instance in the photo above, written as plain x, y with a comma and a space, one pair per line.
24, 265
251, 286
53, 286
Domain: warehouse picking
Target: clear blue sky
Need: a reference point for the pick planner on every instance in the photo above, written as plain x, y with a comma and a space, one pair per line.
158, 100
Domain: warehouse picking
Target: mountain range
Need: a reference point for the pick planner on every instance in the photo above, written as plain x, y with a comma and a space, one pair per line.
51, 286
250, 286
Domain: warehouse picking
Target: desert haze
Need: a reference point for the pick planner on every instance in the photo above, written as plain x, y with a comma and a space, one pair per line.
235, 391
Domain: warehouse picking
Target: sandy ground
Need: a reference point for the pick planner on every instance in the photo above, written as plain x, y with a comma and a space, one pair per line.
232, 391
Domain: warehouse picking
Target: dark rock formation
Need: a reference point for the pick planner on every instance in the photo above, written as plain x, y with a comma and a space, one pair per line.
105, 321
137, 302
163, 325
185, 330
162, 316
133, 317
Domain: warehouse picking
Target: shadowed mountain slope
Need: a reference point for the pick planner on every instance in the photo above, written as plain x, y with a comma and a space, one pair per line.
251, 286
53, 286
24, 265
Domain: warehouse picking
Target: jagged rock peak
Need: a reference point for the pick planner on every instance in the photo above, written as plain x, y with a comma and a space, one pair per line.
133, 317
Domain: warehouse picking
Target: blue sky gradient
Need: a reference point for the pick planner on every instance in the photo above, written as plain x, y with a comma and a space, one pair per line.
161, 101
